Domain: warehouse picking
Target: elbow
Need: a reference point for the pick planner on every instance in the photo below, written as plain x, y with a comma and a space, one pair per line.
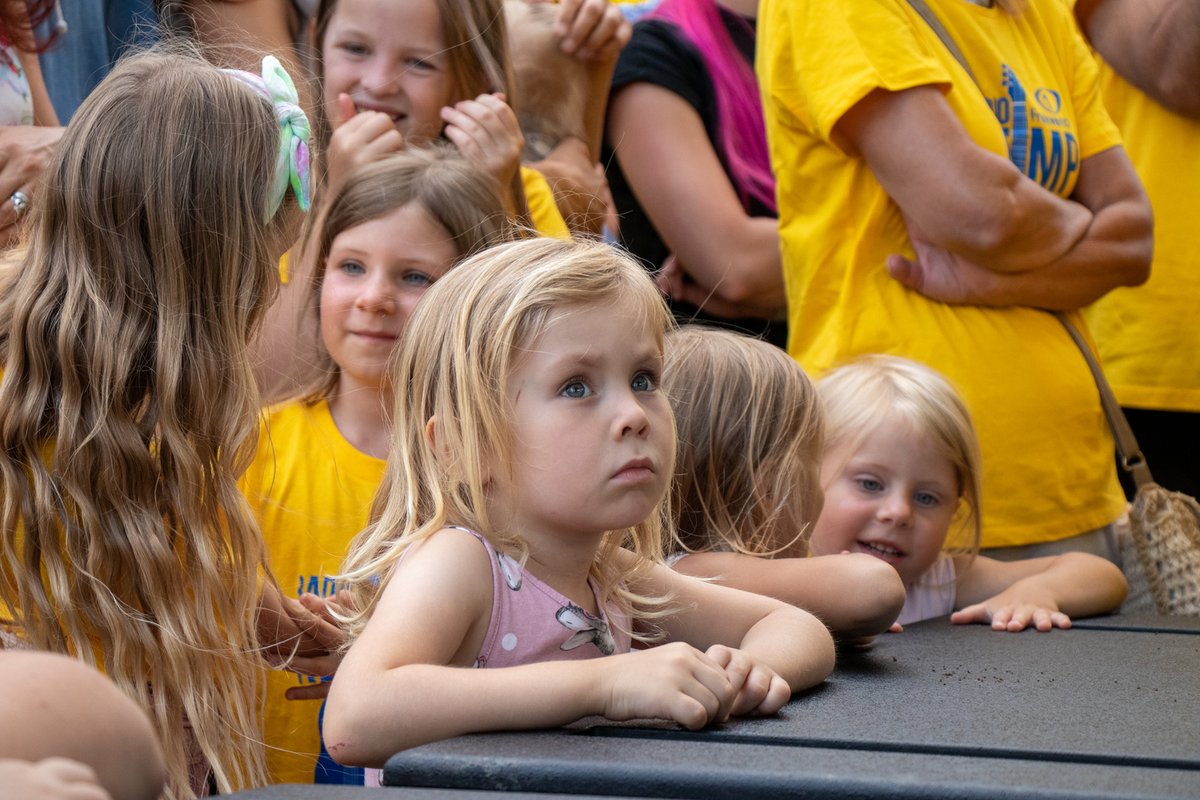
1178, 93
342, 731
753, 283
1136, 244
1176, 82
994, 227
877, 598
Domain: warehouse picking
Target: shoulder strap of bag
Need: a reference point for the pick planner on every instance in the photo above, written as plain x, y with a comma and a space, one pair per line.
1132, 459
1131, 455
940, 31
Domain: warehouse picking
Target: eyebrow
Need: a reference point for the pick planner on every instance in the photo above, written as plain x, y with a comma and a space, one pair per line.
591, 358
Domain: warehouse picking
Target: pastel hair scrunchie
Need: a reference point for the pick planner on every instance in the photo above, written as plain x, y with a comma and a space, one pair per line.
292, 164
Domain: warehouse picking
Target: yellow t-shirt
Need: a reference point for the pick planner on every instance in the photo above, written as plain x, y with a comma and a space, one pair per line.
1147, 334
311, 492
543, 211
1048, 468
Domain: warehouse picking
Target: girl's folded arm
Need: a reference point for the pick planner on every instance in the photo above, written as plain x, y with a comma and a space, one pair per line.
407, 680
786, 639
1075, 584
817, 584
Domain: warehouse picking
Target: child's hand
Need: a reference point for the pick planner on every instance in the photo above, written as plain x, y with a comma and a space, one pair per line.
359, 138
759, 689
50, 779
1008, 612
324, 663
301, 635
486, 131
672, 681
591, 28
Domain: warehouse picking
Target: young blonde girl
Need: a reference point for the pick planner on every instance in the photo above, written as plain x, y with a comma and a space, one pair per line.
901, 479
747, 491
532, 444
127, 404
390, 232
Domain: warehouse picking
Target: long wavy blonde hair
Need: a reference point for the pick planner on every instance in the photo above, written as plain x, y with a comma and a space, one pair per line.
748, 459
128, 408
462, 344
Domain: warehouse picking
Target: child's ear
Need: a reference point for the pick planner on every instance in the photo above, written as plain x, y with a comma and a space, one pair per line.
431, 436
439, 452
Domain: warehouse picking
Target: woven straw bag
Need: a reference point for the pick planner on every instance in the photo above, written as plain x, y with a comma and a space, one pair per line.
1162, 554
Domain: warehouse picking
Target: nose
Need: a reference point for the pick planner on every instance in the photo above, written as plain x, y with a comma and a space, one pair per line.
376, 296
380, 77
895, 508
631, 417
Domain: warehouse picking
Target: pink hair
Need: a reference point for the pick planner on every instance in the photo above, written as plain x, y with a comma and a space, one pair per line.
741, 133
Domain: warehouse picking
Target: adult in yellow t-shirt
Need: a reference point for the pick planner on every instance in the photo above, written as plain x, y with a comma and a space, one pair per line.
1147, 337
930, 216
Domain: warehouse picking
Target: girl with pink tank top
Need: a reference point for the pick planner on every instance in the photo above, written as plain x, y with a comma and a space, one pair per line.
519, 526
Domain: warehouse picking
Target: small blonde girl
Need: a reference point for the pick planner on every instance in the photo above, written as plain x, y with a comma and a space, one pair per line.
747, 491
381, 240
532, 443
128, 406
901, 478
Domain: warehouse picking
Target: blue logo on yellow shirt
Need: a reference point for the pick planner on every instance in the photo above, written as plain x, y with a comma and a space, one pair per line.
1041, 142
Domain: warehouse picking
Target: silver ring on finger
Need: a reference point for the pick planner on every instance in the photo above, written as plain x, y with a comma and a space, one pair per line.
20, 202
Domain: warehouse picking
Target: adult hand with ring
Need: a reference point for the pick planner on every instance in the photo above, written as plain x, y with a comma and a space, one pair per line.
20, 203
25, 151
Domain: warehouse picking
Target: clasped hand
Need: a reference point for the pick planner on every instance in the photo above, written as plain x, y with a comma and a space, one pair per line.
678, 682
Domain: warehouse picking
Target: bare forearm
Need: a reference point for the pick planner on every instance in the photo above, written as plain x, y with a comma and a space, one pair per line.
420, 703
738, 262
795, 644
1082, 584
815, 584
600, 72
954, 194
1115, 252
1152, 44
1016, 227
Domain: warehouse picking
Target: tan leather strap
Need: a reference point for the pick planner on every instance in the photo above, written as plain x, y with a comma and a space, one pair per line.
940, 30
1127, 447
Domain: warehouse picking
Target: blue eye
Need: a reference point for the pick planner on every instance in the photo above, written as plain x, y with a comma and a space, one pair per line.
869, 484
644, 382
576, 389
416, 279
927, 499
352, 267
421, 64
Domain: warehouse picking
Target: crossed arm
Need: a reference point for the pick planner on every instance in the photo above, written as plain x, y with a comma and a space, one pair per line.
406, 680
731, 258
984, 233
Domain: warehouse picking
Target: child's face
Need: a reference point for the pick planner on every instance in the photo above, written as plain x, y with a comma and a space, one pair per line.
892, 498
375, 274
593, 439
389, 56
